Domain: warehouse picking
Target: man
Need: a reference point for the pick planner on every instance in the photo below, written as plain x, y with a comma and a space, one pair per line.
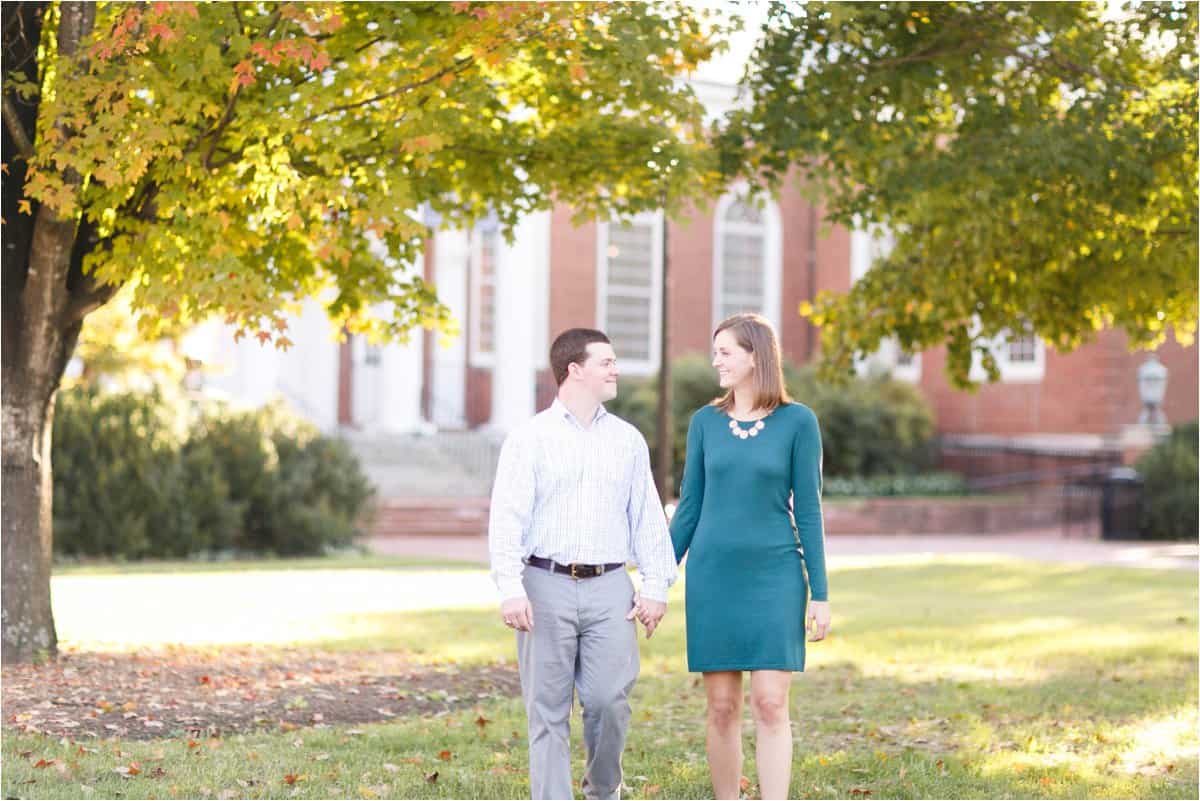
573, 502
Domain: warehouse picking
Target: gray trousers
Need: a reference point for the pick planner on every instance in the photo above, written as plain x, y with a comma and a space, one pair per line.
581, 642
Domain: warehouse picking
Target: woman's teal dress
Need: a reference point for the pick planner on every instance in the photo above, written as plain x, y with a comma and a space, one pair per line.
746, 588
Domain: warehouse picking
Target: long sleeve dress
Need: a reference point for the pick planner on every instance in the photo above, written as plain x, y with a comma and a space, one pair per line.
747, 588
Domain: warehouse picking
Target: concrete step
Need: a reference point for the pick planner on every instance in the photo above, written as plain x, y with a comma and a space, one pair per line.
431, 516
449, 464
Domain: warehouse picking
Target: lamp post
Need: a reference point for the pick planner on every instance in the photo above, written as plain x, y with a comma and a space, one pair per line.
1152, 386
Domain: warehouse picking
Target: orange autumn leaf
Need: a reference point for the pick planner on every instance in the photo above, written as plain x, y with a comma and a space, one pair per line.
445, 755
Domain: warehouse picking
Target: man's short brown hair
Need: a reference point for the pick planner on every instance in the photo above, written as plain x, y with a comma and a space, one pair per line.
571, 347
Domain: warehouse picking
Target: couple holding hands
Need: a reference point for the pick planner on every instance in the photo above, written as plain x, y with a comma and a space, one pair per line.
574, 503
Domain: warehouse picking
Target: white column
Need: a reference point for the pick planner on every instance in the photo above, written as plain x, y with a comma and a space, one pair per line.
308, 371
521, 297
400, 393
449, 363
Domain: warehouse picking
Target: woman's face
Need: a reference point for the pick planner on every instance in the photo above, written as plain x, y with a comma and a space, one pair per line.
734, 363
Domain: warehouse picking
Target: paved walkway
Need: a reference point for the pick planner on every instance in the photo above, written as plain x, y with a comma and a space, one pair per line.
846, 548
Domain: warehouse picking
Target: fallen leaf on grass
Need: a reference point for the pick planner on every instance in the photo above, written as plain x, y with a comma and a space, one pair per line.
431, 777
861, 792
445, 756
44, 763
367, 792
482, 722
292, 778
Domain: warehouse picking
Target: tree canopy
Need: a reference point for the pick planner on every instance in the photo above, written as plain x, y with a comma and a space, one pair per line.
235, 156
1035, 162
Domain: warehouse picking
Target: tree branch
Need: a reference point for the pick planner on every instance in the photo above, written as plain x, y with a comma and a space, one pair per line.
12, 121
459, 65
88, 296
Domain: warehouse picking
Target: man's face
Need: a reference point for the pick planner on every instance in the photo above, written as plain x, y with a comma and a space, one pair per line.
599, 373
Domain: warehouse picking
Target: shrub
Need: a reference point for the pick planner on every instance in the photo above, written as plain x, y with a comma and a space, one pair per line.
1171, 494
133, 480
924, 484
116, 474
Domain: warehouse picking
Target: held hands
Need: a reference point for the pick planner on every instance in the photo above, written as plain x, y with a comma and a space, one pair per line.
818, 620
517, 614
648, 611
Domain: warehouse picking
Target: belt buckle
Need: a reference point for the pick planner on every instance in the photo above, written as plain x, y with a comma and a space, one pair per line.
599, 570
573, 575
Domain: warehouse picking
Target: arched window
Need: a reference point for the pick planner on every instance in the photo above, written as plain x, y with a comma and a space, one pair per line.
746, 258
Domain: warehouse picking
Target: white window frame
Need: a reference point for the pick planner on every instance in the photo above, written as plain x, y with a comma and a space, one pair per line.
640, 367
909, 373
1010, 372
478, 357
772, 232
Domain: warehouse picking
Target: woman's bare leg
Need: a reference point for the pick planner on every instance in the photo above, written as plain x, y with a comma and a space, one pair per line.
724, 731
773, 739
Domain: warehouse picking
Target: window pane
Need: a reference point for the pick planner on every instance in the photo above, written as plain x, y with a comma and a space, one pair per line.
630, 284
487, 317
742, 211
630, 252
487, 251
1022, 348
628, 325
742, 279
485, 276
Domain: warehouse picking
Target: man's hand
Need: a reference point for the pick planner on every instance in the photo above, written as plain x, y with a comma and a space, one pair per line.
647, 611
818, 620
517, 614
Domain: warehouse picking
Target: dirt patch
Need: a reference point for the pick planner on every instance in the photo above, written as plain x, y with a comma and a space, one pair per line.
178, 692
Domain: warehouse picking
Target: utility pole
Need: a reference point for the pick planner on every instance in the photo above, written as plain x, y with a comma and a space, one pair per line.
662, 465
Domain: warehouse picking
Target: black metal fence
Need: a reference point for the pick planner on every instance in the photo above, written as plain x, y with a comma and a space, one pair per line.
1093, 493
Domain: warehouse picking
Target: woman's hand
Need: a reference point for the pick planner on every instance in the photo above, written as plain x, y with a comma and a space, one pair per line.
818, 620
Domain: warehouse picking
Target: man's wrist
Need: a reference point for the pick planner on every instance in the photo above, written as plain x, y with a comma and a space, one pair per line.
511, 589
653, 590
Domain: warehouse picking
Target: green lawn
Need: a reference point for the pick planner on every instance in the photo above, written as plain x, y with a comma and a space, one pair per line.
958, 678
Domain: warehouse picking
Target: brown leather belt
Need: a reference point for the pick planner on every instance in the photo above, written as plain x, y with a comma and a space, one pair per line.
574, 571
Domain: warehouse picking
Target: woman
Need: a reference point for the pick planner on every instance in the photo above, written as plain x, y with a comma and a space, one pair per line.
748, 452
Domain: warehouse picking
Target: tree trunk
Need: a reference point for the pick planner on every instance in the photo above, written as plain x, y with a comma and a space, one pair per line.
45, 297
28, 491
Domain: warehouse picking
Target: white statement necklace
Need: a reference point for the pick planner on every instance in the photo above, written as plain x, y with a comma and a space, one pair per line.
745, 433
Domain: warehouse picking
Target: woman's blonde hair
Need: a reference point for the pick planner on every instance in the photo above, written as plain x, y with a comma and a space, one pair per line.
755, 334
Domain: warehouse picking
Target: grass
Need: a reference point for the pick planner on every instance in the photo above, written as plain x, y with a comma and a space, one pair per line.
947, 678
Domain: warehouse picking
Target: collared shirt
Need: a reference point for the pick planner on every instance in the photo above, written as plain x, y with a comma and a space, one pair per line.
580, 495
